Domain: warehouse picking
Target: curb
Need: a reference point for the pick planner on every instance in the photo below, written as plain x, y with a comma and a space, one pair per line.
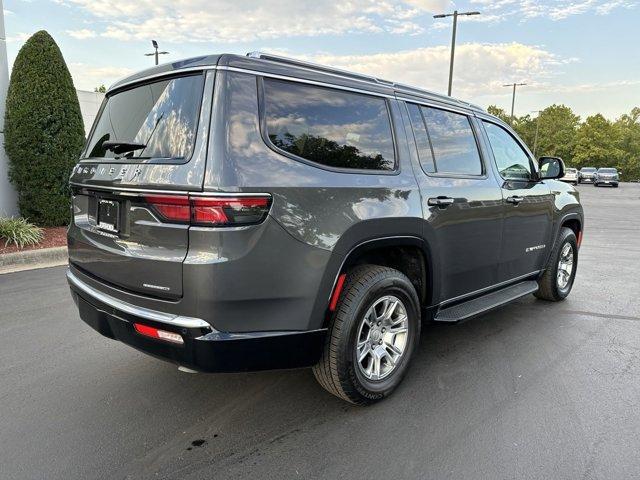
32, 259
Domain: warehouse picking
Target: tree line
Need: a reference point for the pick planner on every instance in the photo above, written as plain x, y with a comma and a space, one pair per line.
594, 142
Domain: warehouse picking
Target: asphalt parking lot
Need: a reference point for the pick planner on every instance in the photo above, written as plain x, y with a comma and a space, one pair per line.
534, 390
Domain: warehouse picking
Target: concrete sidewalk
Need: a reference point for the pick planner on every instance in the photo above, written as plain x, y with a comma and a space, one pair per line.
32, 259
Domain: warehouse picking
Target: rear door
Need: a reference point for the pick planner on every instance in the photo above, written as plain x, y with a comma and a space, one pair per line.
527, 204
462, 202
148, 142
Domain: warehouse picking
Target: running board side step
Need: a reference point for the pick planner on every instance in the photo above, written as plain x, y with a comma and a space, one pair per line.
471, 308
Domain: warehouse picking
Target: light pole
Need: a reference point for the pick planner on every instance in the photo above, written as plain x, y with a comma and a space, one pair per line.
156, 53
513, 98
455, 15
535, 141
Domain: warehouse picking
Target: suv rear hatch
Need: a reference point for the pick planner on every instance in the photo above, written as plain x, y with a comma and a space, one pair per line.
147, 143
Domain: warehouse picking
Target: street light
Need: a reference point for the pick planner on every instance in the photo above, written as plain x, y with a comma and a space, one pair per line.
455, 15
156, 53
513, 99
535, 141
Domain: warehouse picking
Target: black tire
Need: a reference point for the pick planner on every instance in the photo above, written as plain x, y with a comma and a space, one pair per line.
548, 283
338, 371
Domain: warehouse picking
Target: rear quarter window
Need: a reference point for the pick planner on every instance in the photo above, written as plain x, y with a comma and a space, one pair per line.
328, 126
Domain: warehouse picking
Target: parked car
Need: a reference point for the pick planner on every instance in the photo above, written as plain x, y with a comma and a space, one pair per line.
570, 176
239, 213
606, 176
587, 175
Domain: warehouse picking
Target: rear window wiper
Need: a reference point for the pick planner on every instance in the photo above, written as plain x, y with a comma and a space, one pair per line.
122, 147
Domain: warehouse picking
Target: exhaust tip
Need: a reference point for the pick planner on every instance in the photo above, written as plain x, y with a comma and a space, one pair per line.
185, 369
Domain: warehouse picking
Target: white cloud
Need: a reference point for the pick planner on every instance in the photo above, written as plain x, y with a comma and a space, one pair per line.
556, 10
87, 77
81, 34
20, 37
227, 21
480, 69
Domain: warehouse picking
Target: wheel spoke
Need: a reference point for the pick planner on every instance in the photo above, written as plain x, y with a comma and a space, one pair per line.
364, 352
376, 367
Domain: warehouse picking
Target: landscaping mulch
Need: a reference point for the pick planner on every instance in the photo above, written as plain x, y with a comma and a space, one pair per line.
53, 237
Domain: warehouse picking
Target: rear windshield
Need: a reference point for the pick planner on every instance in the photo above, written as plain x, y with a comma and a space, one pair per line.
607, 170
157, 119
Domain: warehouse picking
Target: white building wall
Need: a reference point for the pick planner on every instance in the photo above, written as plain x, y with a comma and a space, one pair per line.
89, 105
8, 199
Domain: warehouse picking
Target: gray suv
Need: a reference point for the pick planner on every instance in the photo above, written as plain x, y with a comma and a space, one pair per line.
236, 213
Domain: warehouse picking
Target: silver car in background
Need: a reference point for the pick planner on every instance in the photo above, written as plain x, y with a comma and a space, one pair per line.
606, 176
570, 176
587, 175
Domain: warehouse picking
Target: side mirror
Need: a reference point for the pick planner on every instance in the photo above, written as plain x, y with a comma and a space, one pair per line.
551, 167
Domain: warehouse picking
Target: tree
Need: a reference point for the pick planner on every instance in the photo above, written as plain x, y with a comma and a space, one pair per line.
44, 132
598, 143
628, 128
557, 132
499, 112
100, 89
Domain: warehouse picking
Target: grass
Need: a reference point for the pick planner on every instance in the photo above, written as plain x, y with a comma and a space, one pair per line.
19, 232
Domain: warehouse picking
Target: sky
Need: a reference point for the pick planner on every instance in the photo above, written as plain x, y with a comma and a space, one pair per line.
582, 53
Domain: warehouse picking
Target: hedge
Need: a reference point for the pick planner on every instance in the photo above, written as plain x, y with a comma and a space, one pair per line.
44, 133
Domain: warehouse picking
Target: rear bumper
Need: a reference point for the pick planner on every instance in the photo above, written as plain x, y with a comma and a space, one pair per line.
204, 348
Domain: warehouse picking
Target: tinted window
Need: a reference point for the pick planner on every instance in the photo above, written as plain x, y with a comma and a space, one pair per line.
422, 139
512, 161
162, 115
607, 170
454, 145
327, 126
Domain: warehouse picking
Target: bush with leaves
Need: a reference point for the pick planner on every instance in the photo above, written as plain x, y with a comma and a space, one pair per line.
44, 132
19, 232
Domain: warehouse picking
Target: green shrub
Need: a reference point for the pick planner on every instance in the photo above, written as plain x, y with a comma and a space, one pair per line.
44, 133
19, 232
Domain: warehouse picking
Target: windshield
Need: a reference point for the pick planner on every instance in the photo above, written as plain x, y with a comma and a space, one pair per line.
588, 169
607, 170
154, 120
571, 170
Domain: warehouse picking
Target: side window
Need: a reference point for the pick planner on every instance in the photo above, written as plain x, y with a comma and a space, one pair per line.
329, 126
425, 154
512, 161
454, 144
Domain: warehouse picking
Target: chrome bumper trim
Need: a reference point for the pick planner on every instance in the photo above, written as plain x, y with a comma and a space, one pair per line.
144, 313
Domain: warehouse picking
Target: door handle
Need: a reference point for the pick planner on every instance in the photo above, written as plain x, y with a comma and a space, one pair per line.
440, 201
515, 199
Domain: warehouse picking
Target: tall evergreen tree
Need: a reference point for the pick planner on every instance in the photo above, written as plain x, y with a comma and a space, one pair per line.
44, 132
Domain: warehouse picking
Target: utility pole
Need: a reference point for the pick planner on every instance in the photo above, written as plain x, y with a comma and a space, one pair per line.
156, 52
455, 15
535, 141
513, 98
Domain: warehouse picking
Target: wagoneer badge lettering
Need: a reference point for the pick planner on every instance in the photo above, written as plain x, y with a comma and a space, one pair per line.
536, 247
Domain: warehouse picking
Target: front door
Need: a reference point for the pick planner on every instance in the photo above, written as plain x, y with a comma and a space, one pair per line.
527, 205
462, 201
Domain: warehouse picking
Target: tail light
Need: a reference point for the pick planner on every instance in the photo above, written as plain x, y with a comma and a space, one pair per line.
210, 211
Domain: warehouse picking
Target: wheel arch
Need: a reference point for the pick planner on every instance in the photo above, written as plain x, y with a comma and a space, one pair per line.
409, 254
